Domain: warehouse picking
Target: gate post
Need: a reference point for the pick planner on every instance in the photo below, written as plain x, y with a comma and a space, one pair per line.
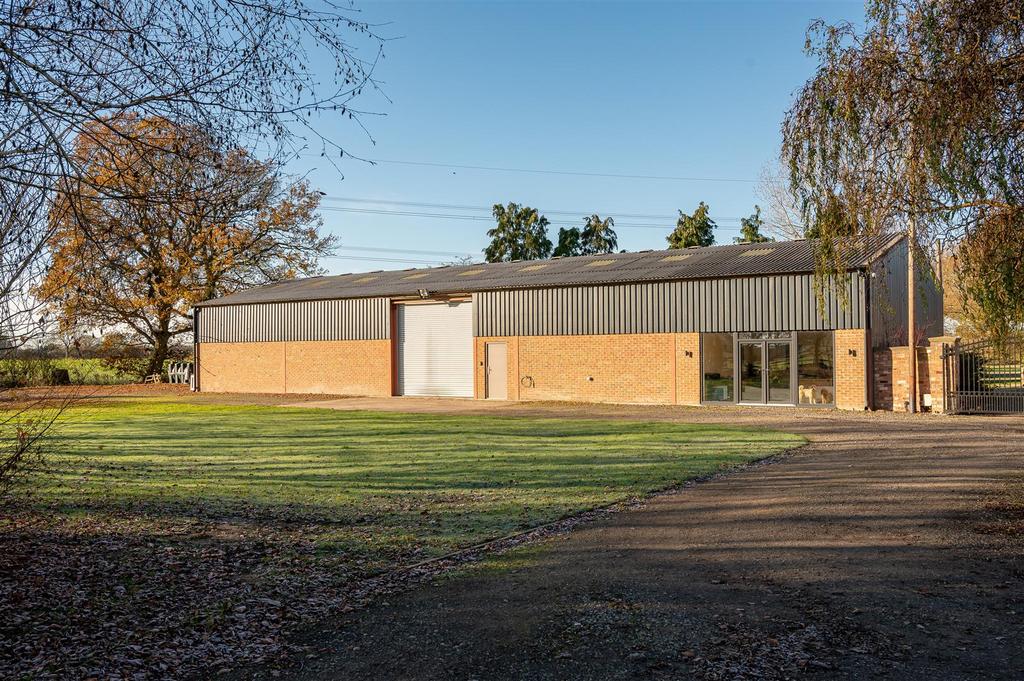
945, 378
952, 369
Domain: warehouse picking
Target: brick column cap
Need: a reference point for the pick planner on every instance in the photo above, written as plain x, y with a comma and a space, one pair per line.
939, 340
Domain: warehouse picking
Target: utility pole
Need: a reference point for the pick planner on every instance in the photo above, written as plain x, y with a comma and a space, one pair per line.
912, 314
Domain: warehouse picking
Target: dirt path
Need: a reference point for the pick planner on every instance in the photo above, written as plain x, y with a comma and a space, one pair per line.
858, 556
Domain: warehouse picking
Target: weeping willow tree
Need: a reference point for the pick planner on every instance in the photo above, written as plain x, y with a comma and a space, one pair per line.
990, 275
915, 125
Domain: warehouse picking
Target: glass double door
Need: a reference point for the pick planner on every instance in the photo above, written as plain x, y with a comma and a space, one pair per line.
766, 375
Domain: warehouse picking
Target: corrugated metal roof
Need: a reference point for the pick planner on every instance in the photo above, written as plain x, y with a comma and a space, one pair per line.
712, 262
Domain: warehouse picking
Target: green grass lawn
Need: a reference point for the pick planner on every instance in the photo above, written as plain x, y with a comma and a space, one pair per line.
198, 537
428, 482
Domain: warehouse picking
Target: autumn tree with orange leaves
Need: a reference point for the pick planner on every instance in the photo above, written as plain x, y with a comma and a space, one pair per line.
161, 219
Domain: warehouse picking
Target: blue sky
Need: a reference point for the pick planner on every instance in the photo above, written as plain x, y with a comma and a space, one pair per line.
668, 90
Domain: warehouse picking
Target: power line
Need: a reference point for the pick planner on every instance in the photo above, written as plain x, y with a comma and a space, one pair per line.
453, 254
369, 259
543, 171
474, 218
455, 206
446, 216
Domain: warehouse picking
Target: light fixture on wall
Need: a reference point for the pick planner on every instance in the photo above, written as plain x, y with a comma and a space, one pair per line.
853, 352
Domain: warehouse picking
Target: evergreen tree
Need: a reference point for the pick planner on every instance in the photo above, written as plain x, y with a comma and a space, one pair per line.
568, 243
693, 230
750, 229
598, 236
521, 234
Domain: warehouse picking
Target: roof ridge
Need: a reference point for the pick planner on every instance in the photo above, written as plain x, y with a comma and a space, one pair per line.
707, 262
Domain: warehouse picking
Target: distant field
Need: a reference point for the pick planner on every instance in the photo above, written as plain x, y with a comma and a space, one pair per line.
179, 520
32, 372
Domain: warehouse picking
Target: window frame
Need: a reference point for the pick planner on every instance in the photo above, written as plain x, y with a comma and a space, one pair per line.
773, 336
796, 368
735, 367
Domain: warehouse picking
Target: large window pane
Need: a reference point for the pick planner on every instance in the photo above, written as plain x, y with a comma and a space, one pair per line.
751, 372
717, 352
815, 368
779, 373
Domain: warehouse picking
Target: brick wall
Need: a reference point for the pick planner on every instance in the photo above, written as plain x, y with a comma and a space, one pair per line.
241, 367
892, 379
851, 369
351, 367
636, 368
688, 378
331, 367
633, 368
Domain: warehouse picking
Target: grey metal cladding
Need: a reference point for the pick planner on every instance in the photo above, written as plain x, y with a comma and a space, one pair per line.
713, 262
785, 302
889, 302
313, 320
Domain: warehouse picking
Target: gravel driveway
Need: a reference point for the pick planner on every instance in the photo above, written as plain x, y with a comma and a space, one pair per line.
861, 555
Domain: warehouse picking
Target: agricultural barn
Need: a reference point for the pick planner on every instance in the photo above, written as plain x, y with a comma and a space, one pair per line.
724, 324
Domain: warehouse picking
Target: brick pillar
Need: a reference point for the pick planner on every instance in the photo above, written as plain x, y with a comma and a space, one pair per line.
851, 369
884, 383
892, 382
899, 377
931, 370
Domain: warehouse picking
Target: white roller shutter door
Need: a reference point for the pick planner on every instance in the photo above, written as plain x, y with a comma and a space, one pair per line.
435, 349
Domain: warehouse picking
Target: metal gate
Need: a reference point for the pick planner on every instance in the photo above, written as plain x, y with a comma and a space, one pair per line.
984, 377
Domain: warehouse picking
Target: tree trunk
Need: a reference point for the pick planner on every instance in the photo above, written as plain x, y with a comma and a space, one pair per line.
161, 343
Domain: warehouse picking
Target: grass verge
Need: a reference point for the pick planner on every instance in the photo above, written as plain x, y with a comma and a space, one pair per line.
174, 537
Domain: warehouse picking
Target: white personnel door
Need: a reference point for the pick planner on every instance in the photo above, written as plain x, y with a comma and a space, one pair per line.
435, 349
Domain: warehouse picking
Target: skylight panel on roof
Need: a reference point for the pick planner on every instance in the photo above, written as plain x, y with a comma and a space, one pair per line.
471, 273
531, 268
418, 275
676, 258
599, 263
757, 251
363, 280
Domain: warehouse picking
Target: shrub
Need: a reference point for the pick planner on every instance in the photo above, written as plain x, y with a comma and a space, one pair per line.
22, 373
20, 432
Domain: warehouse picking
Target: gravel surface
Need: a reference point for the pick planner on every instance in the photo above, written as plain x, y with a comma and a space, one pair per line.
869, 553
